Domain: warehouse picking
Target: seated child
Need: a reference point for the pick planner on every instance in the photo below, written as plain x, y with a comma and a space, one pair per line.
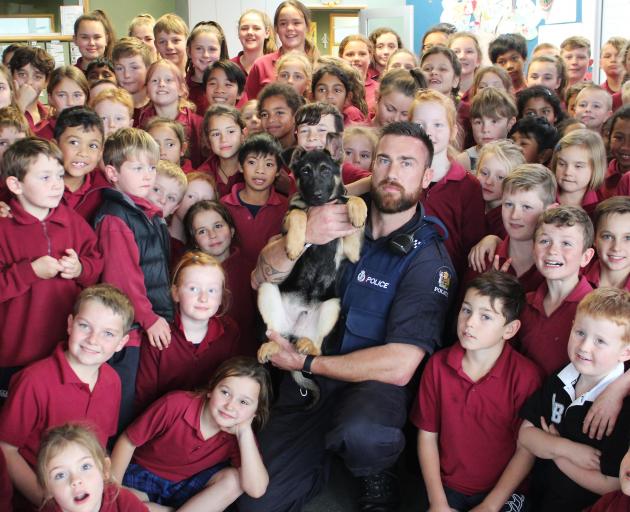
341, 87
461, 391
575, 51
79, 135
619, 143
536, 137
579, 163
134, 241
256, 207
250, 119
70, 454
56, 256
115, 108
101, 69
67, 88
540, 101
612, 244
572, 469
496, 160
593, 106
169, 188
492, 114
294, 68
171, 138
509, 51
132, 59
617, 501
199, 448
201, 336
211, 230
277, 105
223, 84
71, 384
562, 247
205, 45
31, 67
359, 146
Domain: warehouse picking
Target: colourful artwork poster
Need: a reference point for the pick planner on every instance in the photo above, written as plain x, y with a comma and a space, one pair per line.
494, 16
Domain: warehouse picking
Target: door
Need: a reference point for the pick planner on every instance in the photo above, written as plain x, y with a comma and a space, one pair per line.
399, 19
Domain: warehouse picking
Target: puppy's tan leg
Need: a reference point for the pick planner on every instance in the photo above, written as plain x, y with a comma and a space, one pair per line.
352, 246
357, 211
295, 227
267, 351
326, 321
306, 346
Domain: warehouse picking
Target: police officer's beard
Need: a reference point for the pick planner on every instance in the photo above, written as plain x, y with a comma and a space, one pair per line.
387, 202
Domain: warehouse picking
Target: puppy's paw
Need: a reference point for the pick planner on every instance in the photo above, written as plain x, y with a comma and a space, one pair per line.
352, 246
306, 346
357, 211
267, 351
295, 239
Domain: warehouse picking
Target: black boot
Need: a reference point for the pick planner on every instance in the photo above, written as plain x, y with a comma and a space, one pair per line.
379, 492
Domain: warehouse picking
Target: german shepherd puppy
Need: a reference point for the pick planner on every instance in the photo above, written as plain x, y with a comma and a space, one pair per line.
304, 307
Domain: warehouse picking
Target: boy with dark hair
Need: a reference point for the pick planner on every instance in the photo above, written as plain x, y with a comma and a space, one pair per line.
135, 244
510, 52
72, 384
47, 254
257, 209
562, 248
536, 137
223, 82
100, 69
277, 105
31, 67
458, 385
573, 469
79, 135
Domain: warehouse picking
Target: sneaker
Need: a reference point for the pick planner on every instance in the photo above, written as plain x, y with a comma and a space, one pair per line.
379, 493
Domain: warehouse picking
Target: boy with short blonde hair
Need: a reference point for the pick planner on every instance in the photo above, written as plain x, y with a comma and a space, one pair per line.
576, 53
574, 470
132, 59
72, 384
170, 186
170, 33
115, 108
593, 106
135, 244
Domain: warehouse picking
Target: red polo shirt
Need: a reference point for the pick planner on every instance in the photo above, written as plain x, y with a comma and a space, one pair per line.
623, 189
263, 72
476, 421
592, 274
183, 365
87, 198
43, 114
237, 61
48, 393
611, 182
211, 167
371, 91
253, 233
352, 115
615, 501
34, 311
46, 129
457, 201
169, 439
351, 173
191, 122
543, 338
494, 222
115, 499
197, 94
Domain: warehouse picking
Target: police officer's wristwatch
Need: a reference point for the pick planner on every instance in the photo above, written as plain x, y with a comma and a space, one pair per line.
306, 369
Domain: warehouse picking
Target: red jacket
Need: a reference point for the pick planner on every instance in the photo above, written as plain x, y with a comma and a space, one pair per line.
87, 198
183, 365
34, 311
191, 122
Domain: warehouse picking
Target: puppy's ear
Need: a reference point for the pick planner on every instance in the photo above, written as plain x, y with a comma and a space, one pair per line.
334, 145
298, 152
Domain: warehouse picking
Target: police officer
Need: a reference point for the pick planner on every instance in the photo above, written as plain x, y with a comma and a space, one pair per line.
394, 301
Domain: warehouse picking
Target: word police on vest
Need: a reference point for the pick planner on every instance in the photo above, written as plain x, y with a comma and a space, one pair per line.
364, 278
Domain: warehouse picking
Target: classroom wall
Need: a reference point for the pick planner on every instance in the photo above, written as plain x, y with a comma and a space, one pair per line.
122, 12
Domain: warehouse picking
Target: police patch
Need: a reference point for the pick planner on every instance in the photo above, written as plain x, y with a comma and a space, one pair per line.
443, 282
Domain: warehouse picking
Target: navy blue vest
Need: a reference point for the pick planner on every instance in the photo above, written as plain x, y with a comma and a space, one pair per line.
370, 286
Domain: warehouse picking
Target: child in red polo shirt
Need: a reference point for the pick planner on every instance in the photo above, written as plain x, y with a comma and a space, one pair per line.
255, 206
114, 107
73, 468
79, 135
171, 138
48, 253
617, 501
222, 132
211, 229
454, 195
277, 105
169, 188
132, 58
201, 337
593, 106
223, 84
73, 384
469, 400
619, 143
182, 446
562, 247
573, 469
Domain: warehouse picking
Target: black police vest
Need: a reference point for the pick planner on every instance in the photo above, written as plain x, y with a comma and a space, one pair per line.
153, 243
370, 286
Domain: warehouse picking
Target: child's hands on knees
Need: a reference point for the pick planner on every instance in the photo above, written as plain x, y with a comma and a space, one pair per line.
159, 334
5, 210
72, 267
46, 267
